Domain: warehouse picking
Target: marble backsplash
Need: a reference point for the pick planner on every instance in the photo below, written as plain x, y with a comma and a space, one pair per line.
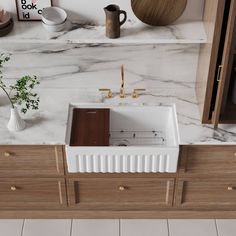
95, 66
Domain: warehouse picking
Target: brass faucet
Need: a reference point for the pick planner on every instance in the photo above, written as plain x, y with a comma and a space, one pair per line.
122, 87
109, 92
136, 92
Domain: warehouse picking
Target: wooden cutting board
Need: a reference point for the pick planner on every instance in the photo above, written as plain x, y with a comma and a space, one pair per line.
158, 12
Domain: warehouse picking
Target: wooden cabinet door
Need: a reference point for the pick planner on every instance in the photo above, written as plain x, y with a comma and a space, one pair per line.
90, 127
215, 194
120, 193
212, 20
31, 160
198, 160
225, 68
32, 193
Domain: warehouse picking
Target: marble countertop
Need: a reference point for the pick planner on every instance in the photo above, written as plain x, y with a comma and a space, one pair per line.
133, 32
48, 125
73, 73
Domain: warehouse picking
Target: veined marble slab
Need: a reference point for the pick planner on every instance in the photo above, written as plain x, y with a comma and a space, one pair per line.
98, 65
72, 73
134, 32
48, 125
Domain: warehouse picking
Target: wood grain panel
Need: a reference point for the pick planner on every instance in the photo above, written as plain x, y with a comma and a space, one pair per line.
31, 160
206, 194
212, 19
90, 127
120, 175
32, 193
158, 13
208, 160
227, 63
105, 194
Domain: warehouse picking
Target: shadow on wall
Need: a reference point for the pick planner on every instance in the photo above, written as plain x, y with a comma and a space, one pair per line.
92, 11
4, 101
79, 18
193, 11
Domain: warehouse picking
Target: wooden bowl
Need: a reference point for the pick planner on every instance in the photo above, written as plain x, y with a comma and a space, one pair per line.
158, 12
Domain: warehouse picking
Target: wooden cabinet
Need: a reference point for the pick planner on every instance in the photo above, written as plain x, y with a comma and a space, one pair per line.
214, 194
31, 160
205, 183
207, 178
32, 177
32, 193
208, 160
217, 61
224, 111
121, 193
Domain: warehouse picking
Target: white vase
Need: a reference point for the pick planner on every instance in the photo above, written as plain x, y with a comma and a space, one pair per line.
16, 123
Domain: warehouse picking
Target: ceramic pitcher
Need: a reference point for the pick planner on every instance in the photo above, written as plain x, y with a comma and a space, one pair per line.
113, 22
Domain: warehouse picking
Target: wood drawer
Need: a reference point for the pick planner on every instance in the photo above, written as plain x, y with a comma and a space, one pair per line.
215, 194
29, 160
121, 193
208, 160
32, 193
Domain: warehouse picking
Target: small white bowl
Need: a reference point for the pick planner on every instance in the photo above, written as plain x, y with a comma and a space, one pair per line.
54, 28
53, 15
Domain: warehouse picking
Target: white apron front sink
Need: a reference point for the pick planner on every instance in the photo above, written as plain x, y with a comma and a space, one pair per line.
143, 139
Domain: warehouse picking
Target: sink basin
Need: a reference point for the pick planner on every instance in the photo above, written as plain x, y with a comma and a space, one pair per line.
142, 139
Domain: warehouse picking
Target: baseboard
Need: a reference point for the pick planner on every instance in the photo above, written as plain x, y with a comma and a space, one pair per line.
75, 214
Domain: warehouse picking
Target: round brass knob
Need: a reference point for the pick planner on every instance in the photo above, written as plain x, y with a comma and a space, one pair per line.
13, 188
7, 154
122, 188
235, 154
230, 188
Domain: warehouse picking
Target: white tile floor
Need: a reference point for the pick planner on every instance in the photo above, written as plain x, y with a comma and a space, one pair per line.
117, 227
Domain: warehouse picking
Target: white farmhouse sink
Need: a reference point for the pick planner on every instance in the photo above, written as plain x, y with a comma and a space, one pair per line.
142, 139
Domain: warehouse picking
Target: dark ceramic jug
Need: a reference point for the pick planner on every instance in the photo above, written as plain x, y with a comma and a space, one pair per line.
113, 22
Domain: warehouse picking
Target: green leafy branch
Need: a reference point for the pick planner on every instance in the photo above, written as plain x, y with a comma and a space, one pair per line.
21, 93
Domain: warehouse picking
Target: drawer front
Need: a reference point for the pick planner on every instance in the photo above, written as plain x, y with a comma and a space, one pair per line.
204, 194
31, 160
120, 193
208, 160
33, 194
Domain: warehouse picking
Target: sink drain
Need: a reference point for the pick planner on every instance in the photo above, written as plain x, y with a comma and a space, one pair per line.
121, 143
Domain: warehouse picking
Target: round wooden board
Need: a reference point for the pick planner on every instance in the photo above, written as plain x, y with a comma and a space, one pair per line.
158, 12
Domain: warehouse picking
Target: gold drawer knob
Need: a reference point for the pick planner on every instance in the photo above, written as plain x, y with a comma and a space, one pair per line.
235, 154
7, 154
230, 188
122, 188
13, 188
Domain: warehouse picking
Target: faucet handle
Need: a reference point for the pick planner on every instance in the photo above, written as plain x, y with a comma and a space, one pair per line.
122, 93
136, 93
109, 94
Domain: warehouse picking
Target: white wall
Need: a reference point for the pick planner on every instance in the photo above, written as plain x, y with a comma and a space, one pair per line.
93, 9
